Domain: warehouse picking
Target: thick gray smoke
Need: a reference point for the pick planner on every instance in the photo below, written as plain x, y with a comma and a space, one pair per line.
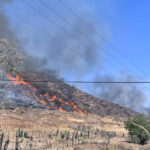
6, 31
72, 54
129, 95
76, 54
67, 53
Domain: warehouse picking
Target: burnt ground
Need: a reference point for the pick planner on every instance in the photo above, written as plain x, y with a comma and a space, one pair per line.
84, 101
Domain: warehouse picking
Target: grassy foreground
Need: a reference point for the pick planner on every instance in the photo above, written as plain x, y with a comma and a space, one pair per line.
33, 129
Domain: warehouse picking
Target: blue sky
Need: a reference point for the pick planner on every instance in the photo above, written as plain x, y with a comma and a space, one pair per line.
131, 32
125, 23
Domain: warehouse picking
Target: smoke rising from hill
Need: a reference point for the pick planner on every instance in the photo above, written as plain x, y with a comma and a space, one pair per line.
128, 95
6, 31
70, 56
65, 52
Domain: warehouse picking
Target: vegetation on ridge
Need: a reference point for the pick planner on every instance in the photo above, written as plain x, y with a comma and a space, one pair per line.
139, 129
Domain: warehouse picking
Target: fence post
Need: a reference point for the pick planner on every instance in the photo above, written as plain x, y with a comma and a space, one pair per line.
1, 139
6, 144
17, 142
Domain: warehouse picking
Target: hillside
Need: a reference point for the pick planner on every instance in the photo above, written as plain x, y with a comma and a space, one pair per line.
84, 101
22, 85
23, 90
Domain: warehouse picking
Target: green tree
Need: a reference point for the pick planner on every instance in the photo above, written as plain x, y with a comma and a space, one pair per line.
139, 129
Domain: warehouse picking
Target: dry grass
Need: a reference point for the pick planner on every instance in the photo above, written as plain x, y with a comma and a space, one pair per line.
39, 124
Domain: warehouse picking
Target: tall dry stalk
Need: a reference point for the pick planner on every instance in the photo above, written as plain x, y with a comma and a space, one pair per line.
1, 139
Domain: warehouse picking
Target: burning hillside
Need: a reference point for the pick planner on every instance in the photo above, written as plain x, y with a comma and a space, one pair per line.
48, 100
29, 88
57, 95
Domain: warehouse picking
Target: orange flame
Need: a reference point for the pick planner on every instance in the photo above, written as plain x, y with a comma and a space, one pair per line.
20, 81
53, 97
76, 108
43, 102
61, 109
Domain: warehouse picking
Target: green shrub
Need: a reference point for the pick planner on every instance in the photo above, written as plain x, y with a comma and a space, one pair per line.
20, 133
62, 136
139, 129
26, 135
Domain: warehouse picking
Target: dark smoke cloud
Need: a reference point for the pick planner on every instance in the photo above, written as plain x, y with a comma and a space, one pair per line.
74, 53
76, 57
128, 95
6, 31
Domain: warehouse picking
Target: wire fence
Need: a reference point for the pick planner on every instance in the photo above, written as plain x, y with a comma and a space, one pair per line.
53, 139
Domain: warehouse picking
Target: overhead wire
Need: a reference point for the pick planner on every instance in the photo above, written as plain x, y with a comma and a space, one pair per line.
80, 82
63, 18
103, 38
49, 36
122, 82
53, 22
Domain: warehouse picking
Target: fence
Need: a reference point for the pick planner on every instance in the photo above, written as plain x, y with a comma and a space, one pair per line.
53, 139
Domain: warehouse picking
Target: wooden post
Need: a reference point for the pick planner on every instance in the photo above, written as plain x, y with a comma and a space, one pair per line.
6, 144
1, 140
17, 142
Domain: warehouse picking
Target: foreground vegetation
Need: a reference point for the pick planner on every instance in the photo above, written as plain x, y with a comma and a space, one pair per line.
139, 129
67, 139
26, 129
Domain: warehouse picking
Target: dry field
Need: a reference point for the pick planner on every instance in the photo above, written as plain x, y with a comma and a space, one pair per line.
56, 130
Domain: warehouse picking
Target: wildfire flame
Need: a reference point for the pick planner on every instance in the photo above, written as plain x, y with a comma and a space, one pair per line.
60, 109
43, 102
45, 98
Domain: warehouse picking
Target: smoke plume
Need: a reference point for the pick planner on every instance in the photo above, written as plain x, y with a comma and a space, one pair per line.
68, 51
6, 31
74, 56
69, 54
128, 95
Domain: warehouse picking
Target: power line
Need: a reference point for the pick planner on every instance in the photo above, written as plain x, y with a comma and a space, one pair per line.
52, 22
63, 18
101, 37
78, 82
50, 36
93, 82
